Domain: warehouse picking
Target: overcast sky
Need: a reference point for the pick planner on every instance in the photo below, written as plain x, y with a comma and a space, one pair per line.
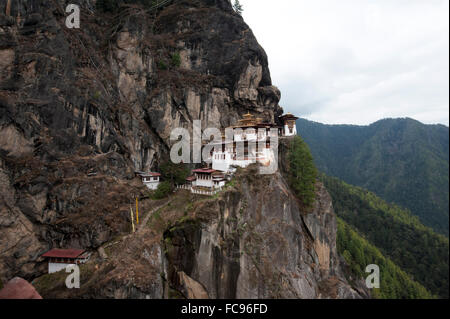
357, 61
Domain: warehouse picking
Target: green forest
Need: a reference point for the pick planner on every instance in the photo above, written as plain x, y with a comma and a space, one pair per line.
358, 253
302, 171
415, 248
401, 160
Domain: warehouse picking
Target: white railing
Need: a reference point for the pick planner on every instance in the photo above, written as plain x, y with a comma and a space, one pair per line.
204, 192
200, 191
188, 187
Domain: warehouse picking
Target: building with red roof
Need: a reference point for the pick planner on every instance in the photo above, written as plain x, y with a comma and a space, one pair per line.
150, 179
289, 124
59, 259
207, 178
251, 143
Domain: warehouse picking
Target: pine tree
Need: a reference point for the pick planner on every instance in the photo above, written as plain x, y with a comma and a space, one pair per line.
174, 173
302, 171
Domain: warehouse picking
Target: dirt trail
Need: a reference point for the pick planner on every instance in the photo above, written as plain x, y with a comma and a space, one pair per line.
147, 217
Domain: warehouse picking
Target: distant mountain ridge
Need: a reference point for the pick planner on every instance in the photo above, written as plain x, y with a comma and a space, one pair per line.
401, 160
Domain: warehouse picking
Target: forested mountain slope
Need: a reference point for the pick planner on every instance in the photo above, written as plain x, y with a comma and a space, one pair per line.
358, 253
400, 236
401, 160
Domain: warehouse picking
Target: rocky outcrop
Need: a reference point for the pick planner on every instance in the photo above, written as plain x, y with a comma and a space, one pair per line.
20, 242
82, 109
19, 288
256, 242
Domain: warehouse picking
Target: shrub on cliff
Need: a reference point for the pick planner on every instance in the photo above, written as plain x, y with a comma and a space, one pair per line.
163, 190
302, 171
176, 174
176, 60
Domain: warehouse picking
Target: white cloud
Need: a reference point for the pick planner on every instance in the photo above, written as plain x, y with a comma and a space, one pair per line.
357, 61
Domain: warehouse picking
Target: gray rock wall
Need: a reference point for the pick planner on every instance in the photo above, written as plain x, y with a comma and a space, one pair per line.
97, 99
255, 242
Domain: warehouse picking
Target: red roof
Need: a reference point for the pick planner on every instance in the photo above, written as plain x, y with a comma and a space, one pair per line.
155, 174
63, 253
204, 170
151, 174
191, 178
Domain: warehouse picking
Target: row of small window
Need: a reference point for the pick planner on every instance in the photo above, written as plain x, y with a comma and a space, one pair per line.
220, 156
65, 260
150, 179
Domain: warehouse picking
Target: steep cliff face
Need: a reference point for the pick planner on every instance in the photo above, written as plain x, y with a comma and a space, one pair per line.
81, 110
256, 242
251, 241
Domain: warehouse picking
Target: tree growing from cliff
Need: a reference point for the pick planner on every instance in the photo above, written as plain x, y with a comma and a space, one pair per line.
174, 173
176, 60
237, 6
302, 171
163, 190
